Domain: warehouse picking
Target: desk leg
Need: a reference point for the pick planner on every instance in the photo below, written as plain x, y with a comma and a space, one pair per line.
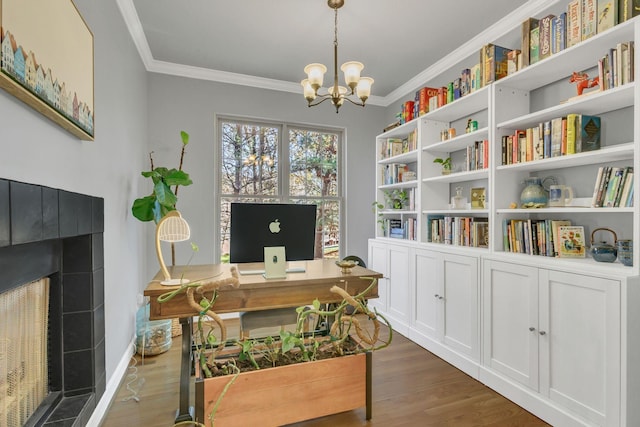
185, 412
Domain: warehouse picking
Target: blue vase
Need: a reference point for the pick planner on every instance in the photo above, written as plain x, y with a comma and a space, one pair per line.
533, 195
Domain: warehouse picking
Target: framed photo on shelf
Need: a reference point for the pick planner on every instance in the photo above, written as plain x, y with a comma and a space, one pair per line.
47, 61
477, 198
571, 241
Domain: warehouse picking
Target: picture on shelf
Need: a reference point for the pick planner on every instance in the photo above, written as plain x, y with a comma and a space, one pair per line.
571, 241
478, 198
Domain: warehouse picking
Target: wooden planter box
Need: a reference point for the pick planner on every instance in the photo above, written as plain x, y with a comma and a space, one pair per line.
288, 394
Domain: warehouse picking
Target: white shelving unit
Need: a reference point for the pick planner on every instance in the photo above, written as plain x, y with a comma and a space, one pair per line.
585, 307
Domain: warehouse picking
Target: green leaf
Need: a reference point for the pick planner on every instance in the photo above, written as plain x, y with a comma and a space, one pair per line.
185, 137
316, 304
164, 195
143, 208
176, 177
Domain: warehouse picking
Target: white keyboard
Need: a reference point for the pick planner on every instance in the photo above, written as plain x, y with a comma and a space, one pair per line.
254, 272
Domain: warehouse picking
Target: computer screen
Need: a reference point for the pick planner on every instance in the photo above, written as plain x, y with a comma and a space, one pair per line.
255, 226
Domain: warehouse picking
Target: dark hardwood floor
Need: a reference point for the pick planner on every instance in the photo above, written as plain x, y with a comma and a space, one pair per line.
411, 387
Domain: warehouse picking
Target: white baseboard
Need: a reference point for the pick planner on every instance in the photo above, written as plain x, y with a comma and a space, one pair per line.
112, 387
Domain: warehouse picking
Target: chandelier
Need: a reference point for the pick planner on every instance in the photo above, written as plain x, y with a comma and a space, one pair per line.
358, 86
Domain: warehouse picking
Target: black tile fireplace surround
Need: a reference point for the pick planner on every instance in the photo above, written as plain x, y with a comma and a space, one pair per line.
45, 232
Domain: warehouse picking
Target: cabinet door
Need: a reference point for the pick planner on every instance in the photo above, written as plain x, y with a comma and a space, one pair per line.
378, 261
428, 283
398, 297
460, 304
580, 348
510, 307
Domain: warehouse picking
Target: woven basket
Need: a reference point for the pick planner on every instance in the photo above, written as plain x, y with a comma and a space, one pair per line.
176, 328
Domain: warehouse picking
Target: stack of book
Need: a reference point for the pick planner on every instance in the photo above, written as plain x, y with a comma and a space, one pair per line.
458, 231
575, 133
613, 187
478, 155
544, 237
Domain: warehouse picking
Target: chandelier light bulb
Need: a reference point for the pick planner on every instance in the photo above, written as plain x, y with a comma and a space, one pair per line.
363, 90
351, 72
309, 92
315, 74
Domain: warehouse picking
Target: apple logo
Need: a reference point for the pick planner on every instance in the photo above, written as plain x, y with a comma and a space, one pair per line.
274, 226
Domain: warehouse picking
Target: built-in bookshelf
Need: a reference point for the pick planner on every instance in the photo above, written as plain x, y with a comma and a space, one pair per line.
510, 294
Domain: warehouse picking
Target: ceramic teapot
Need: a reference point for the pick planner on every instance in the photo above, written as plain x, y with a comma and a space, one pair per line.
602, 251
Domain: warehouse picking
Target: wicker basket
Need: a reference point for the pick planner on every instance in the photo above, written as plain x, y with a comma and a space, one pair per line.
176, 328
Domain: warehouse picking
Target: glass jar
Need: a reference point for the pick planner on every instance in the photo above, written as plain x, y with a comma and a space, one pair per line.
533, 195
459, 201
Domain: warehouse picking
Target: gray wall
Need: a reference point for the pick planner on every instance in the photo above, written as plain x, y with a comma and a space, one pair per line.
35, 150
177, 103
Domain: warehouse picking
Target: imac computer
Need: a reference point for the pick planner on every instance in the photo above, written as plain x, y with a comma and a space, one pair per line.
255, 226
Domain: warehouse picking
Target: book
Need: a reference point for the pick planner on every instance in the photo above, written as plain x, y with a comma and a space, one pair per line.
546, 139
545, 37
480, 231
556, 137
555, 224
563, 141
534, 45
559, 33
628, 183
424, 95
589, 18
627, 9
525, 45
620, 187
476, 77
612, 186
512, 61
596, 186
572, 131
494, 63
574, 22
589, 133
602, 186
571, 242
607, 14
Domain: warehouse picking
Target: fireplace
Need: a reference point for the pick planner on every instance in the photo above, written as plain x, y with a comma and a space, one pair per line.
58, 235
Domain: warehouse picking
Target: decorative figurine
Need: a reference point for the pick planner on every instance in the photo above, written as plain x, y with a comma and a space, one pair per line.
583, 82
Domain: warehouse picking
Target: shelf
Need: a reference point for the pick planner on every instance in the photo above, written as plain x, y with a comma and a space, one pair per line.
593, 103
458, 143
570, 209
459, 176
400, 131
580, 57
604, 155
465, 106
409, 157
397, 212
456, 212
408, 184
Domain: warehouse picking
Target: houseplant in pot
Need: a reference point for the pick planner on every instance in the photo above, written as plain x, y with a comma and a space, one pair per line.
445, 163
297, 375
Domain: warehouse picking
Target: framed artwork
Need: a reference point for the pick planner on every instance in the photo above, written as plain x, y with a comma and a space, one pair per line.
478, 198
47, 61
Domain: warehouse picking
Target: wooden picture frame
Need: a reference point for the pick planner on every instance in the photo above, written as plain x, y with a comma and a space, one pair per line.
47, 61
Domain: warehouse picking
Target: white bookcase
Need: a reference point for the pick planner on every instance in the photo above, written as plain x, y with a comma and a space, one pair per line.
586, 307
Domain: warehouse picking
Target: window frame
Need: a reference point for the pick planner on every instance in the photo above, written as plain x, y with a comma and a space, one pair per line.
283, 170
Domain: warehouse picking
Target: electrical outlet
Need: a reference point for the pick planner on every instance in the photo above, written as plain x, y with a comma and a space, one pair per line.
141, 300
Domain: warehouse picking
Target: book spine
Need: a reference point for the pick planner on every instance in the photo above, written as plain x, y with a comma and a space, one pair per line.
545, 36
534, 40
596, 187
525, 45
574, 22
571, 133
546, 135
589, 18
606, 173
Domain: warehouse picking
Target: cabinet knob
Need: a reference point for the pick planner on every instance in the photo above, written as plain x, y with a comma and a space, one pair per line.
437, 296
440, 297
531, 328
542, 333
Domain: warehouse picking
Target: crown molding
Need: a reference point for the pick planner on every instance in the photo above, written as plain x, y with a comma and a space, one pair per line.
506, 24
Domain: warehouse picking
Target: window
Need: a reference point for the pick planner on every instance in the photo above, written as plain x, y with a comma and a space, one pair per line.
269, 162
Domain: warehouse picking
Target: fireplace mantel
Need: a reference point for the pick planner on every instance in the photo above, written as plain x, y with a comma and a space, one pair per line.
47, 232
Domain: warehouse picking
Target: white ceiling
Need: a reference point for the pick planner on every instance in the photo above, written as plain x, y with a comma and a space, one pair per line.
266, 43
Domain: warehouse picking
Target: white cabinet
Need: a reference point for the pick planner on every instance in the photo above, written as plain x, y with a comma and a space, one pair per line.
445, 319
393, 289
557, 333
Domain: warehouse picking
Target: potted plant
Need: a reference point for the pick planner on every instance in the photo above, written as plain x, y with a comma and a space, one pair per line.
445, 163
296, 376
162, 199
396, 199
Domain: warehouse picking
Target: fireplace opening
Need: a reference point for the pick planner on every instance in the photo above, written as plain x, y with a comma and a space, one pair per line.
56, 237
24, 376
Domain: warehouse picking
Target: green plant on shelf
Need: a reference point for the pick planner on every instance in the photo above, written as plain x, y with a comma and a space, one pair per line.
396, 199
445, 163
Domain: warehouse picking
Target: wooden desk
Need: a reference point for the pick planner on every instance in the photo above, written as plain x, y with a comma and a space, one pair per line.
257, 293
254, 293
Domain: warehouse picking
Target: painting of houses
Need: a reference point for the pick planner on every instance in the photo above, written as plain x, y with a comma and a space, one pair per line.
46, 60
